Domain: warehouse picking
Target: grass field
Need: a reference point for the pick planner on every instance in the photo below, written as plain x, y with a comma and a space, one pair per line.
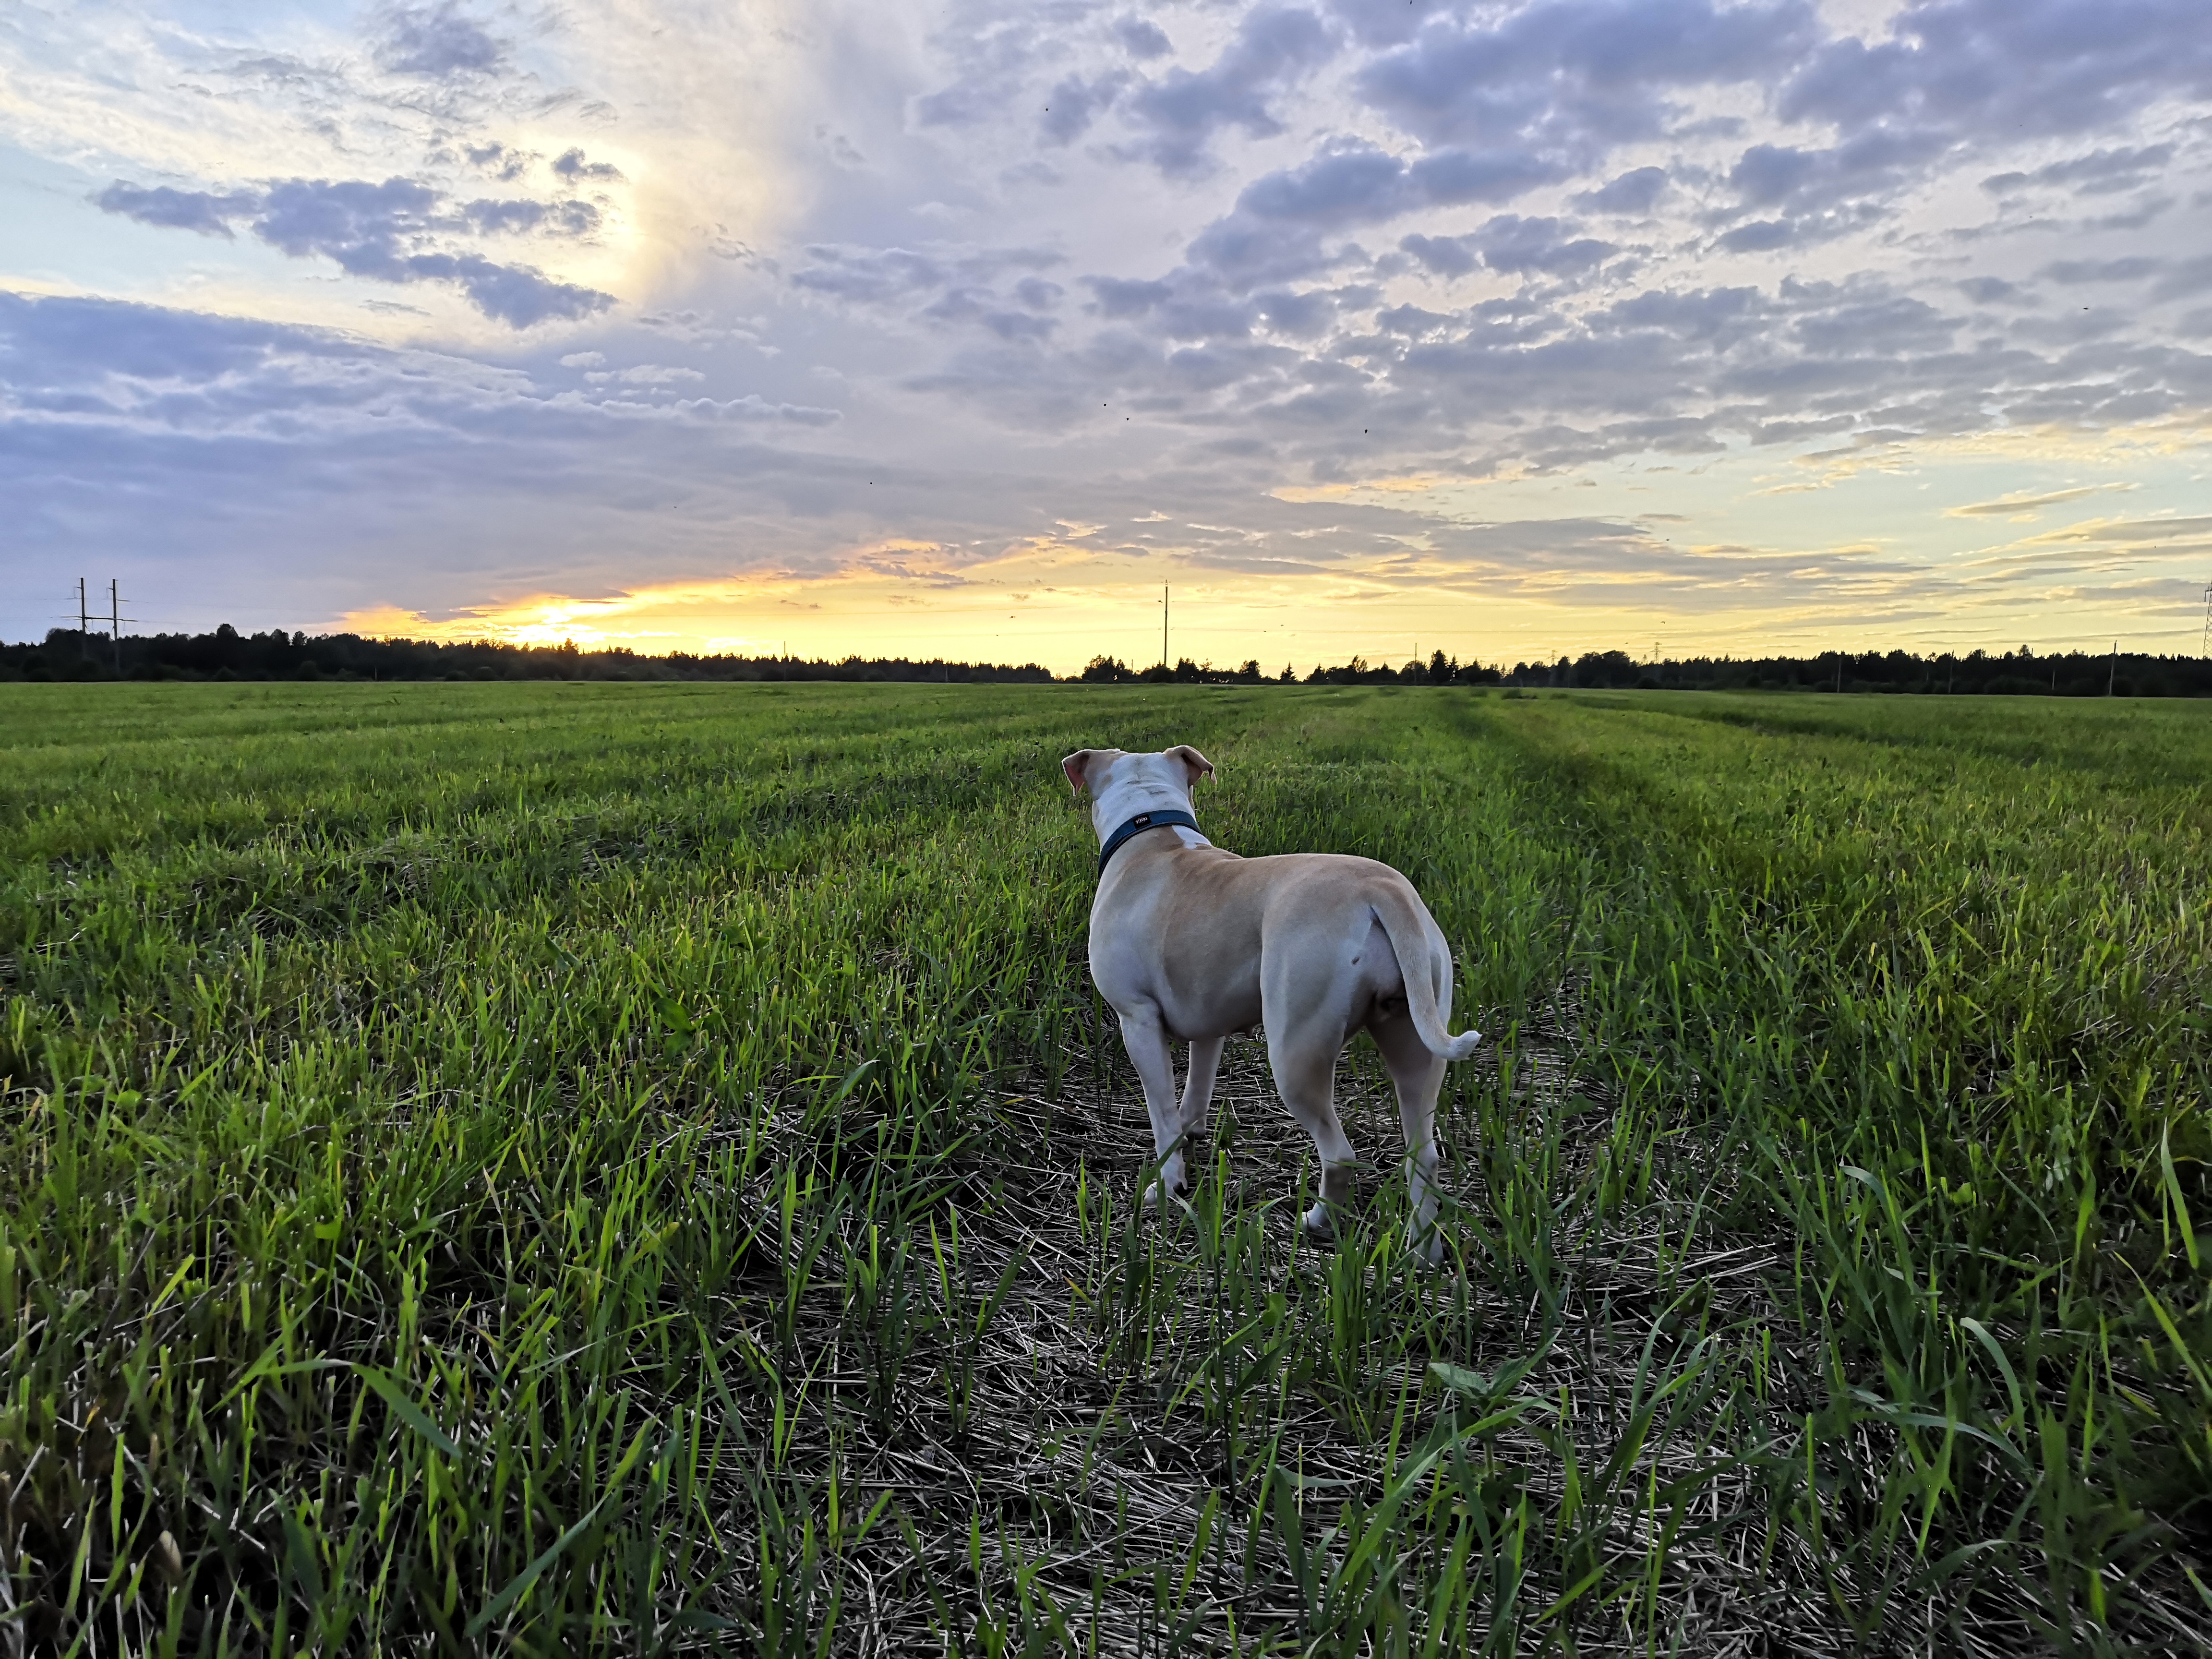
641, 1169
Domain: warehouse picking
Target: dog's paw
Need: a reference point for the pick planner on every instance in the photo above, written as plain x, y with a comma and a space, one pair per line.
1159, 1196
1318, 1224
1427, 1250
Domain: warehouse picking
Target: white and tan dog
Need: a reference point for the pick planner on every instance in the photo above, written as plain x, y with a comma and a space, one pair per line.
1192, 942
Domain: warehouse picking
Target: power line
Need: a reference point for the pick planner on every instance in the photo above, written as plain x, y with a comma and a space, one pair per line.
85, 618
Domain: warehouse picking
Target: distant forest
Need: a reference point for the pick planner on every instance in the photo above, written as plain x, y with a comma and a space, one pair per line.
227, 655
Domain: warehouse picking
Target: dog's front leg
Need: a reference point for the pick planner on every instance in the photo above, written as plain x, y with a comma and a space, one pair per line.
1146, 1040
1198, 1085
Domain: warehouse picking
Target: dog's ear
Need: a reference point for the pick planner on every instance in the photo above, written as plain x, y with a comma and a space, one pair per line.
1194, 765
1078, 768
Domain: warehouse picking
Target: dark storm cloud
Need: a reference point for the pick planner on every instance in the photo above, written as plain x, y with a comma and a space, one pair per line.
384, 232
437, 42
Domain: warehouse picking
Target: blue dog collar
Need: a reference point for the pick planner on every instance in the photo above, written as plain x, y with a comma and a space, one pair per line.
1165, 819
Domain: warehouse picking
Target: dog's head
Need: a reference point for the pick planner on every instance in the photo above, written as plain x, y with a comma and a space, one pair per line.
1092, 768
1125, 783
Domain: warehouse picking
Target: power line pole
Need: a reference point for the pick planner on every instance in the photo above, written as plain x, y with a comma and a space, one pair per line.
1164, 624
115, 623
2205, 648
83, 623
2112, 675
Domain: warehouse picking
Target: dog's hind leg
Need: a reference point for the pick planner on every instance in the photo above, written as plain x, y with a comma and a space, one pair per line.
1416, 1075
1305, 1075
1146, 1040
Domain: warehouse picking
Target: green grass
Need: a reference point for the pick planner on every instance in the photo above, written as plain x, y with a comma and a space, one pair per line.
641, 1169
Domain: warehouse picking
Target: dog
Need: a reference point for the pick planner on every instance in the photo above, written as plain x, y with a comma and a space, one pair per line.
1190, 941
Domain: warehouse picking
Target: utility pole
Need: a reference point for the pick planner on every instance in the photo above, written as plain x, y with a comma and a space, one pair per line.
2112, 675
83, 623
115, 623
1164, 624
2205, 648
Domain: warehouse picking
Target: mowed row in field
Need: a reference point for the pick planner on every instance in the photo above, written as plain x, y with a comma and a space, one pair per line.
641, 1168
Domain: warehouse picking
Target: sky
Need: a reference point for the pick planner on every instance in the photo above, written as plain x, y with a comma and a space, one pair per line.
969, 328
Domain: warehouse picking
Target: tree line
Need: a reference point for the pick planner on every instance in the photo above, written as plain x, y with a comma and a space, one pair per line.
2022, 672
227, 655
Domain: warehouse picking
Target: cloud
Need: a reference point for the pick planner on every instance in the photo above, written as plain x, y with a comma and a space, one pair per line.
438, 42
1809, 195
753, 407
2014, 67
2014, 506
311, 460
1519, 246
1992, 291
2185, 278
1636, 192
571, 165
1119, 296
2132, 269
511, 216
941, 283
1274, 232
1075, 103
1141, 38
500, 160
1275, 48
642, 373
1571, 78
177, 209
512, 295
2100, 173
1511, 245
384, 232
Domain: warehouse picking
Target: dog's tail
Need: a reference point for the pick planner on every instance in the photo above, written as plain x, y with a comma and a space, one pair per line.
1400, 913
